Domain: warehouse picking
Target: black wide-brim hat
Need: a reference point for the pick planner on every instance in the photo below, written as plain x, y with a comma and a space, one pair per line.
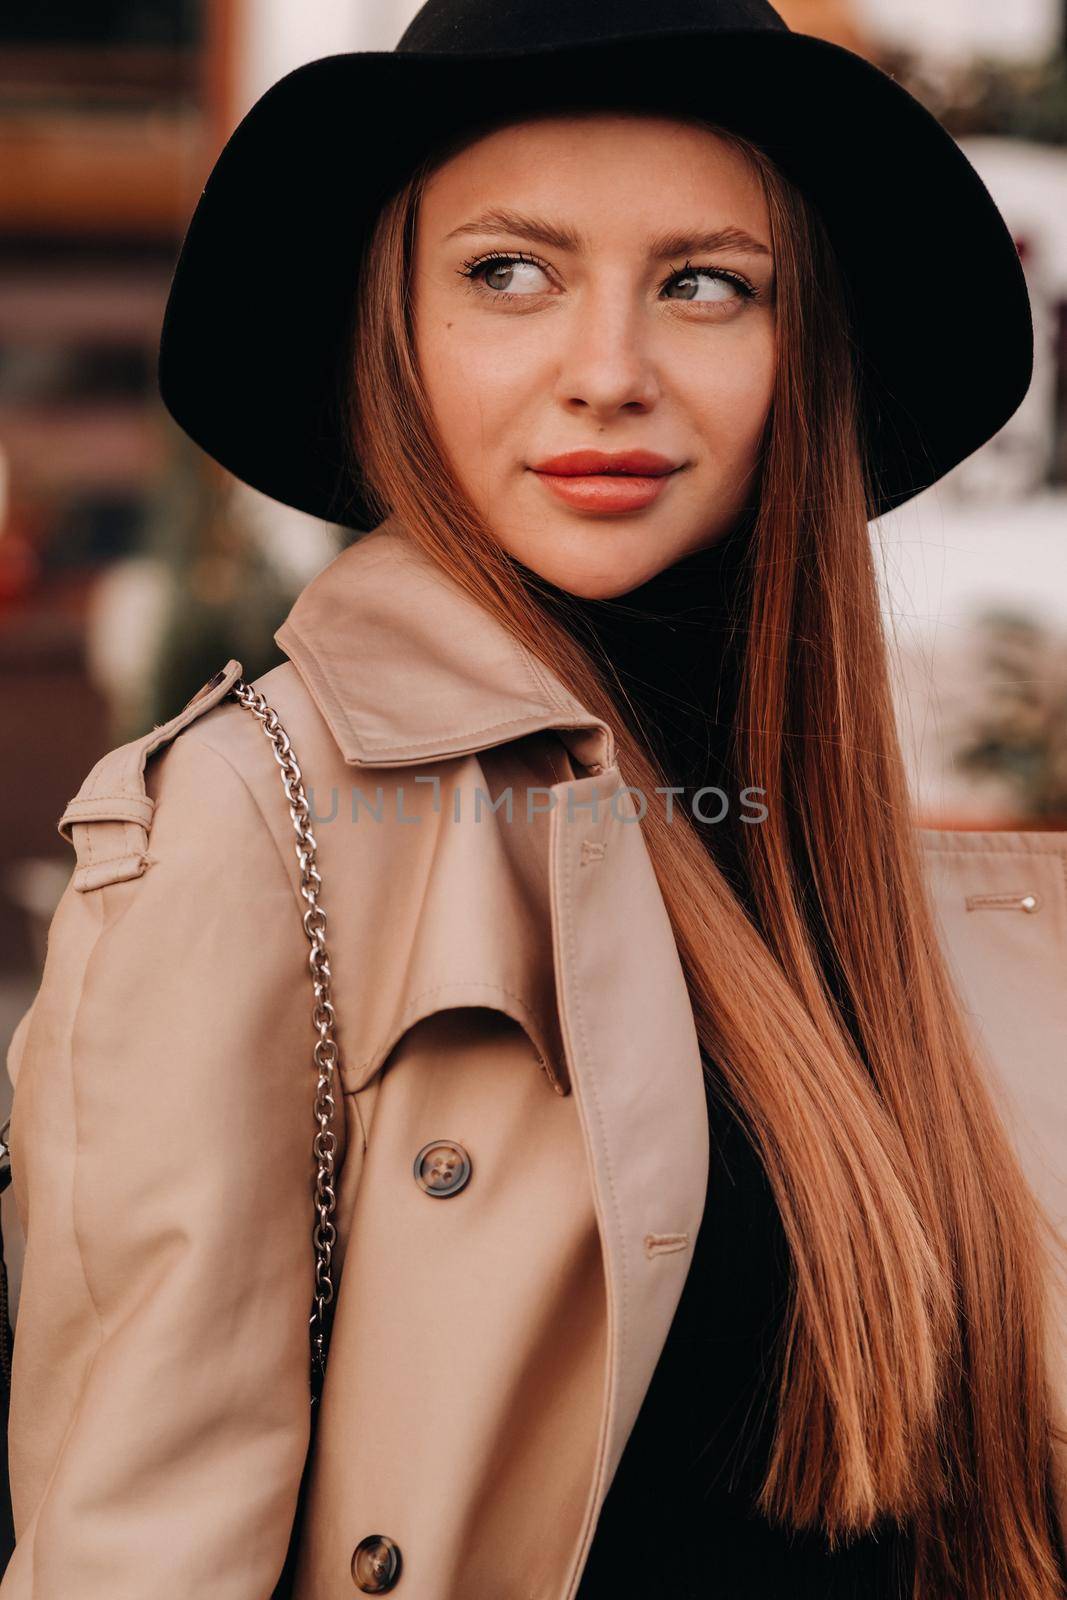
262, 291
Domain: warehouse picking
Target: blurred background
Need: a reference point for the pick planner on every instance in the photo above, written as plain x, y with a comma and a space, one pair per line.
131, 568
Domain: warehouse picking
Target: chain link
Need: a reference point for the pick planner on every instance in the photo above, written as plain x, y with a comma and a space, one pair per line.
325, 1054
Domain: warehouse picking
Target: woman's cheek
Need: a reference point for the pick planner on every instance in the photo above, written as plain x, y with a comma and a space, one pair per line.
466, 405
465, 376
450, 381
735, 400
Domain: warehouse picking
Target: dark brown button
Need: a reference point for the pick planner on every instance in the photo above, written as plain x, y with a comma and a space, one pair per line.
442, 1168
375, 1564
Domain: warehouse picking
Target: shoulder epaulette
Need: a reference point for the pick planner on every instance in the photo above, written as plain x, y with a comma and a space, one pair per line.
109, 819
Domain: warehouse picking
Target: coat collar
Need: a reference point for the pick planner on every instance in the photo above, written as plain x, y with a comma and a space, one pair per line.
406, 667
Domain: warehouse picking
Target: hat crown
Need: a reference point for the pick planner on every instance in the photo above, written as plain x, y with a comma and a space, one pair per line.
448, 27
268, 244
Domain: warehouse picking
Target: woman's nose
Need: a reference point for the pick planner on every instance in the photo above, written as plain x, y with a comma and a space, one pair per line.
606, 362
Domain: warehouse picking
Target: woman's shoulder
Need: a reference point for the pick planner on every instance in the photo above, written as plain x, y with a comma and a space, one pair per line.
192, 783
183, 870
207, 796
109, 820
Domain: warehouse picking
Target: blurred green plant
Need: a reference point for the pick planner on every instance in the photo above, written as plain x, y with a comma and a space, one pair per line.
1018, 731
226, 595
1021, 100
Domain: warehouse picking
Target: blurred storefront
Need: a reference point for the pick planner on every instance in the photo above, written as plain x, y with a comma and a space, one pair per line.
106, 115
127, 561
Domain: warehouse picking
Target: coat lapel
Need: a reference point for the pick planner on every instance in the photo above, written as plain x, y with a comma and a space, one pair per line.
407, 669
635, 1065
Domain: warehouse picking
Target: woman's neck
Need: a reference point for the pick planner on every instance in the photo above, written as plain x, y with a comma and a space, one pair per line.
675, 643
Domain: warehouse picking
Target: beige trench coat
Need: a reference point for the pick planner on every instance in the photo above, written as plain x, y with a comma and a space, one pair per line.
510, 988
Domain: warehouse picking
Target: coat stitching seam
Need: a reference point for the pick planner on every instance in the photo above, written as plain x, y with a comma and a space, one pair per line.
198, 739
437, 988
106, 861
47, 1490
580, 1017
378, 745
91, 799
534, 670
454, 733
999, 850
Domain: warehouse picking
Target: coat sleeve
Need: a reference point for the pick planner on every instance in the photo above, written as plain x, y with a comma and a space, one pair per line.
161, 1154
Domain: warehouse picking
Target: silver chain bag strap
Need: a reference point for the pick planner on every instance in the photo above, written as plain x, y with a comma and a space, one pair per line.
324, 1144
325, 1055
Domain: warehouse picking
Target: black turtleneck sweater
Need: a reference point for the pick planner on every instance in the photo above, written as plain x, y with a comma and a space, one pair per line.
679, 1522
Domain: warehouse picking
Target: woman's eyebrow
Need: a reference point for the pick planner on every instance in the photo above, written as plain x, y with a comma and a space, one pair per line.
555, 236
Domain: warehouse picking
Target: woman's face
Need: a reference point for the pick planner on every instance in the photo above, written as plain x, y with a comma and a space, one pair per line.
600, 283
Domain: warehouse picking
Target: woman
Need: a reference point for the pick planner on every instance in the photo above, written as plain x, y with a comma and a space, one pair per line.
618, 397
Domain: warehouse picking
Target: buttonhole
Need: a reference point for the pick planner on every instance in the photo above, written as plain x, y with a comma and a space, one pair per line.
1003, 902
659, 1244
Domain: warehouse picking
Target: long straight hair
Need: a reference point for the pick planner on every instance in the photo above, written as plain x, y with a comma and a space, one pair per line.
912, 1381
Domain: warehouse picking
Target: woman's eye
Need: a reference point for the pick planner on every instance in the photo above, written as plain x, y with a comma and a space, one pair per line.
509, 275
708, 284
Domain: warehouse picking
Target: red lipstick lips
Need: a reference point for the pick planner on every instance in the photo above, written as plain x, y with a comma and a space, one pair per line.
606, 482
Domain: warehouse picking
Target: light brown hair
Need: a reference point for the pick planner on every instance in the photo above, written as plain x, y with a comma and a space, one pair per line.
912, 1381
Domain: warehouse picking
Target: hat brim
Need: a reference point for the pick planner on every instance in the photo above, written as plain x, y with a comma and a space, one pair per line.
265, 278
